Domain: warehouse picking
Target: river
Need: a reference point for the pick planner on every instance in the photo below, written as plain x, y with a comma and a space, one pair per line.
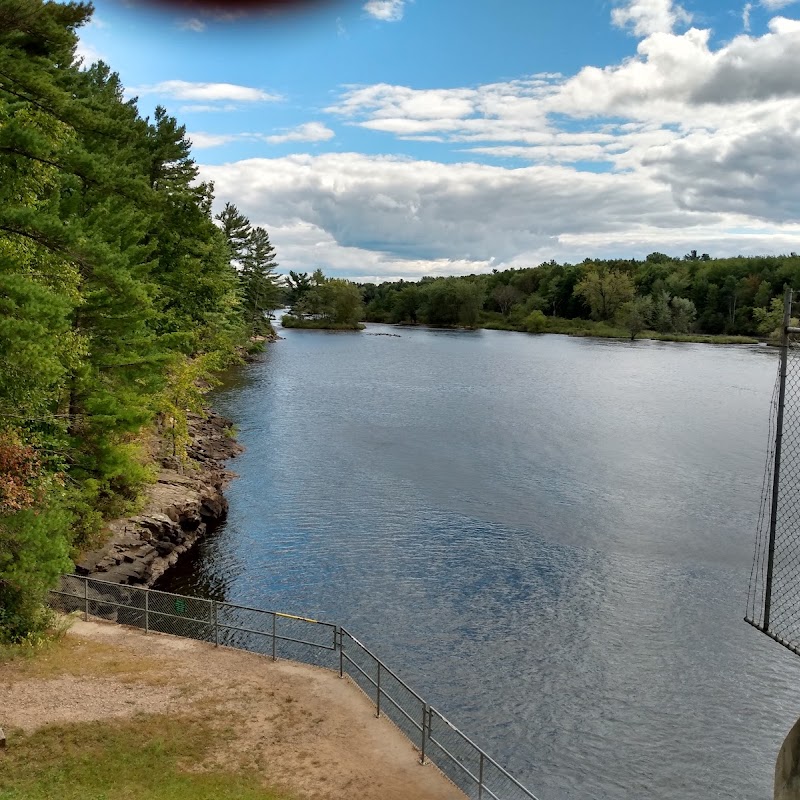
550, 538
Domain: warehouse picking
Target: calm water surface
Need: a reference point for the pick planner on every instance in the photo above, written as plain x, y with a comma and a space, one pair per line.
550, 538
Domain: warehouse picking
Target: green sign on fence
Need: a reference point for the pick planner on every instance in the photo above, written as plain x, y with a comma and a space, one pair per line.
180, 605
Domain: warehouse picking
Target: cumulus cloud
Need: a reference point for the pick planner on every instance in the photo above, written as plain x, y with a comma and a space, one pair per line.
365, 216
209, 92
308, 132
644, 17
677, 86
385, 10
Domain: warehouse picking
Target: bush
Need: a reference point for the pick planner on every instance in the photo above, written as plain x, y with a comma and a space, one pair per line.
535, 322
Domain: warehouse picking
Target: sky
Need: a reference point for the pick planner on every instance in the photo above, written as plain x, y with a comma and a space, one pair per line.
386, 139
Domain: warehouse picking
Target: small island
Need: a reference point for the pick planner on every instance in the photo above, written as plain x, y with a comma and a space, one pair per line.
321, 303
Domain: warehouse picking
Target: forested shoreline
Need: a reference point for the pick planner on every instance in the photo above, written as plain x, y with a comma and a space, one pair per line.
120, 296
673, 298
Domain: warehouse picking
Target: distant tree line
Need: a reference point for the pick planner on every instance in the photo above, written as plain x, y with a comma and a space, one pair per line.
692, 294
119, 295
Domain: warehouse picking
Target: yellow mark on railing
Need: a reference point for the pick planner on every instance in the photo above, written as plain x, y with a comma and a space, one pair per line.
302, 619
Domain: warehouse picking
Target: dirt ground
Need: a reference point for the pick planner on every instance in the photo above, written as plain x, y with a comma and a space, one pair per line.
314, 735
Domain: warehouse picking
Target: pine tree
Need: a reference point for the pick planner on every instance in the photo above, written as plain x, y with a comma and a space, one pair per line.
261, 288
237, 230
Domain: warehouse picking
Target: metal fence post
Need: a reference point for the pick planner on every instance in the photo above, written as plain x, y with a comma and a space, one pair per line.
85, 599
147, 611
378, 701
480, 779
341, 653
776, 473
274, 619
216, 625
424, 731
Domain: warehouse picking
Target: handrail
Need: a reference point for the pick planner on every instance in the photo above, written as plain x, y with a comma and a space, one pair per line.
118, 596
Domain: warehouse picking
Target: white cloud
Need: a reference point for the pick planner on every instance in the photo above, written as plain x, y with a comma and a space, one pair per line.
87, 53
676, 87
358, 215
774, 5
209, 92
644, 17
202, 141
748, 7
385, 10
194, 24
308, 132
203, 108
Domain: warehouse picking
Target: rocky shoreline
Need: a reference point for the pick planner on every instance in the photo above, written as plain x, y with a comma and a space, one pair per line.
182, 506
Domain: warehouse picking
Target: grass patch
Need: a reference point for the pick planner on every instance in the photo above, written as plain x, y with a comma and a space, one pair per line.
157, 757
702, 338
604, 330
68, 655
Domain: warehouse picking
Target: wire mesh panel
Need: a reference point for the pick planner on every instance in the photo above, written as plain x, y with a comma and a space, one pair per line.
275, 634
402, 706
458, 757
454, 754
190, 617
69, 596
360, 665
392, 697
774, 591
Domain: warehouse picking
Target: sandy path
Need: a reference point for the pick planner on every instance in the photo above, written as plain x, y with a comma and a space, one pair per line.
315, 734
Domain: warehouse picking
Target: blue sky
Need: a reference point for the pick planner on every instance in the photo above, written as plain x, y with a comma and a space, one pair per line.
383, 139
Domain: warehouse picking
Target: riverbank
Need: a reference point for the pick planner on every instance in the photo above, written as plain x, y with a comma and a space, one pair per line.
289, 321
185, 503
606, 330
110, 711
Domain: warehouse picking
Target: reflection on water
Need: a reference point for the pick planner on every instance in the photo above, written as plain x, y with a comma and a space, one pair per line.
549, 538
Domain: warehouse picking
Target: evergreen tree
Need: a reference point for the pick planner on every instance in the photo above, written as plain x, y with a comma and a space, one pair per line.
261, 287
237, 230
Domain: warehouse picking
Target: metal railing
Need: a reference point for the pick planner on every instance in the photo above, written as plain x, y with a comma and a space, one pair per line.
308, 641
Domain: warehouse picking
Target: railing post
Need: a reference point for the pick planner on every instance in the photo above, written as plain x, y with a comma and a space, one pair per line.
341, 653
146, 611
274, 620
425, 730
216, 626
480, 779
378, 701
85, 599
776, 472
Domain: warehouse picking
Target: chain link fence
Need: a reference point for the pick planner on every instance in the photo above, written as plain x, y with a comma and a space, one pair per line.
308, 641
773, 602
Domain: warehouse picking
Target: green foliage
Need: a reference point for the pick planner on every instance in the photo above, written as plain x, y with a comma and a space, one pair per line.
638, 314
117, 293
535, 322
324, 303
261, 288
188, 381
